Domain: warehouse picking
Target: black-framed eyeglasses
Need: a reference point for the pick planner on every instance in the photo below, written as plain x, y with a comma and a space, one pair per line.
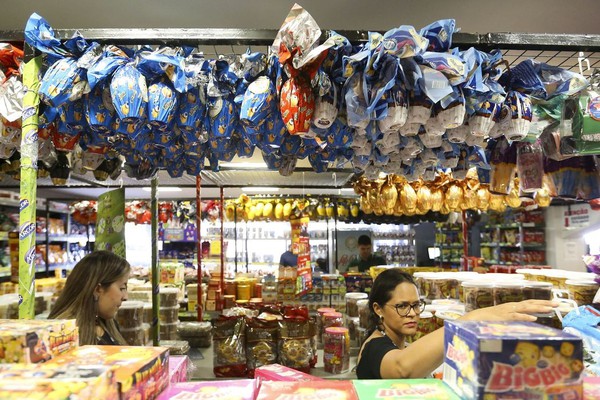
403, 309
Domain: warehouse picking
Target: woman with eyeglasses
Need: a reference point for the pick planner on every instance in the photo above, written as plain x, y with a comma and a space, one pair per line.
395, 308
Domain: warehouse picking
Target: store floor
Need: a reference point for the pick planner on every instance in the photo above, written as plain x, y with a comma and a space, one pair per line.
201, 366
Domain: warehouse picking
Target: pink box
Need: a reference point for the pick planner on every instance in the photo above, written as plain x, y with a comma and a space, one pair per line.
277, 372
322, 390
239, 389
178, 369
591, 387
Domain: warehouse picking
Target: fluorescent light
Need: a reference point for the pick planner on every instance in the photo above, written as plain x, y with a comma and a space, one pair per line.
259, 189
347, 190
164, 189
244, 165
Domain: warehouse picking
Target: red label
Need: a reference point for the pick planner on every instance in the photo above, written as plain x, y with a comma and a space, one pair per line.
505, 377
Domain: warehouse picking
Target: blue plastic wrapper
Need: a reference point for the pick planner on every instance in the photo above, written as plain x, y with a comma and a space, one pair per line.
373, 133
99, 111
129, 93
308, 147
128, 128
259, 102
543, 81
222, 117
253, 64
245, 148
142, 168
521, 115
162, 104
164, 62
290, 145
273, 159
318, 163
326, 108
192, 109
63, 81
113, 58
176, 167
275, 131
439, 34
72, 114
397, 107
356, 102
403, 42
434, 84
339, 135
39, 34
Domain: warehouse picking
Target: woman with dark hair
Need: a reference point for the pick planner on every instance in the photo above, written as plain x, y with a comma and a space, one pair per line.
93, 293
395, 308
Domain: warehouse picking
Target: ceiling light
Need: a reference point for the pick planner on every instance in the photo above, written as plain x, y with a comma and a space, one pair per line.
243, 165
164, 189
347, 190
259, 189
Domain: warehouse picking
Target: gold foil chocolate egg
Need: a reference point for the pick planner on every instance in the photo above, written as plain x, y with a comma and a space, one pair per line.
542, 198
454, 196
483, 198
408, 197
389, 196
437, 199
424, 199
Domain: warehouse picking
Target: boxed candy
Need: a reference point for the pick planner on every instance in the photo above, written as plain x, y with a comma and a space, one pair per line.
69, 382
502, 360
240, 389
277, 372
178, 369
405, 389
35, 341
141, 372
321, 390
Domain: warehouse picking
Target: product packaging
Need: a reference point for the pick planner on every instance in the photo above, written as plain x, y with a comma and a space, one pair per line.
325, 390
35, 341
178, 366
240, 389
141, 372
405, 389
511, 360
19, 381
277, 372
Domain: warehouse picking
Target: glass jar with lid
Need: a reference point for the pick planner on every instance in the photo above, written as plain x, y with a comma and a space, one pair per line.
478, 294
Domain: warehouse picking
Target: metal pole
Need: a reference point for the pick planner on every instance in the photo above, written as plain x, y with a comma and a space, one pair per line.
155, 277
28, 187
222, 283
199, 245
465, 238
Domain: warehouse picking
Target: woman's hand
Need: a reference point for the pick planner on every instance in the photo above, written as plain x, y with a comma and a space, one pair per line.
520, 311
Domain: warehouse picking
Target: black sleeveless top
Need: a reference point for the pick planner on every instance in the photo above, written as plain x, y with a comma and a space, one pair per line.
369, 365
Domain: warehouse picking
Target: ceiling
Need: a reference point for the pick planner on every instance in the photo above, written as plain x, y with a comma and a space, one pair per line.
533, 16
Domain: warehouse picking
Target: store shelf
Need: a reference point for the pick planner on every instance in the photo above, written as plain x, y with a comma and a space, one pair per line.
450, 246
64, 238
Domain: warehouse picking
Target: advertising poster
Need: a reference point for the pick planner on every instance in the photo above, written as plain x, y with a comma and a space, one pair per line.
347, 247
110, 228
301, 247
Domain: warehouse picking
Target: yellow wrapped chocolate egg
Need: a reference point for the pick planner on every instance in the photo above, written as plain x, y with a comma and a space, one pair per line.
424, 199
278, 210
437, 199
389, 196
329, 210
497, 202
542, 197
354, 210
445, 209
230, 211
512, 199
469, 199
408, 197
365, 205
454, 197
483, 198
287, 210
251, 212
258, 209
321, 210
268, 210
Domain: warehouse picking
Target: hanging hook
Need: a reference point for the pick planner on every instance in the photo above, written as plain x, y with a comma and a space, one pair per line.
583, 59
120, 183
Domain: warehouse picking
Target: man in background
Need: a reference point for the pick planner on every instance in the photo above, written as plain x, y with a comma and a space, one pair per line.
366, 259
288, 259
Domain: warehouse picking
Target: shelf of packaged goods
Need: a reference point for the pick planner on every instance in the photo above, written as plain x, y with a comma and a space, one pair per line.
179, 241
492, 262
64, 238
533, 225
502, 226
449, 246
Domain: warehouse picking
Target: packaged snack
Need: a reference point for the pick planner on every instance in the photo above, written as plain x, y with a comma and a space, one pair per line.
277, 372
295, 349
537, 290
176, 347
241, 389
511, 360
478, 294
261, 342
141, 372
336, 350
324, 389
130, 314
134, 336
228, 347
178, 366
506, 292
404, 389
68, 382
582, 292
